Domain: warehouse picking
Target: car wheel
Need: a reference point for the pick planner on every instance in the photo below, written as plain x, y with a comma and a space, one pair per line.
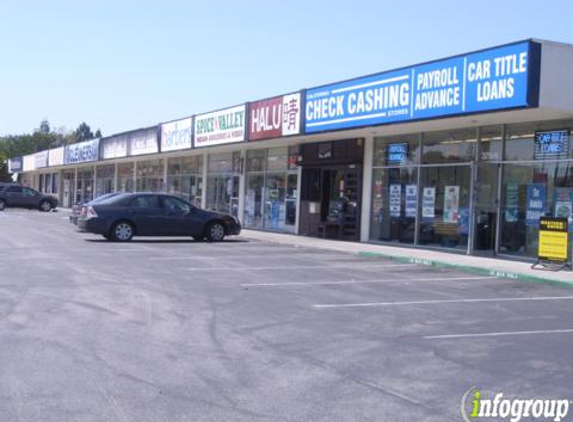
215, 232
45, 206
122, 231
2, 205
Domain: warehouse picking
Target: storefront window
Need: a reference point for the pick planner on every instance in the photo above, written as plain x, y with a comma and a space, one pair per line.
223, 182
491, 145
277, 159
531, 191
125, 174
150, 176
394, 204
452, 146
270, 202
185, 178
398, 150
84, 186
520, 142
105, 176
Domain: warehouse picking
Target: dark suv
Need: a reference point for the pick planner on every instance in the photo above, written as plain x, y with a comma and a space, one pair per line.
14, 195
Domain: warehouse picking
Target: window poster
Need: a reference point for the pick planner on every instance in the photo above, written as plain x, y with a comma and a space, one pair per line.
536, 203
411, 201
511, 202
451, 204
429, 203
395, 200
464, 220
563, 203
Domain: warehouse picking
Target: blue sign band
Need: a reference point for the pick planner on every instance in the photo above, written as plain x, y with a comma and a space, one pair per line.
483, 81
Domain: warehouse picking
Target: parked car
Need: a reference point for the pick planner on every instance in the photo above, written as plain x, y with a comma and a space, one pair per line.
123, 216
81, 209
14, 195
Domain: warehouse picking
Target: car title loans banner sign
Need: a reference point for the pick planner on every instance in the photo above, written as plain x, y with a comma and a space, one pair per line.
176, 135
483, 81
220, 127
275, 117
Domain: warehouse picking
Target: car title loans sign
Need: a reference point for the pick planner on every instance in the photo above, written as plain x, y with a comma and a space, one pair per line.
275, 117
488, 80
220, 127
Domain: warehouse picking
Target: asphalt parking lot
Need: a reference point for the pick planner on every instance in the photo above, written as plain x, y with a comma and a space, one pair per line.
243, 330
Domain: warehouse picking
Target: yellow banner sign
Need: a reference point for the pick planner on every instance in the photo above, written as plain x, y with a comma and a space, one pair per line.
553, 239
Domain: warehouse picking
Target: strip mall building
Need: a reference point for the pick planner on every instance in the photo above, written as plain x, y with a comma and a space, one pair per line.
464, 153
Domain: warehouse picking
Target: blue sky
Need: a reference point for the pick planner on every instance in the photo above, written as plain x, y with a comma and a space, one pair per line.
121, 65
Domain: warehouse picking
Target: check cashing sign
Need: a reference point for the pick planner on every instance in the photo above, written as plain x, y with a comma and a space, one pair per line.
553, 239
501, 78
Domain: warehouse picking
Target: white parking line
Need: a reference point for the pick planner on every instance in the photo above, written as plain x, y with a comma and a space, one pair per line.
295, 267
508, 333
328, 283
433, 302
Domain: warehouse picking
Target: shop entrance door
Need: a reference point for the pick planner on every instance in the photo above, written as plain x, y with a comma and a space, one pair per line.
331, 201
486, 208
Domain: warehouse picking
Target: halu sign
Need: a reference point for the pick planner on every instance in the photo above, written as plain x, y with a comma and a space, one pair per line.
275, 117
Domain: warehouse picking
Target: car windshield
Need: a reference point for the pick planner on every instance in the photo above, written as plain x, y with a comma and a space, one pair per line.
112, 199
104, 197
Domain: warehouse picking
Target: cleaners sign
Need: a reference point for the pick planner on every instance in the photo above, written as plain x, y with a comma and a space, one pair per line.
220, 127
484, 81
82, 152
275, 117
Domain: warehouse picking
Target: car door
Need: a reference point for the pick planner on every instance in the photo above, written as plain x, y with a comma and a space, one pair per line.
180, 217
15, 196
147, 214
30, 197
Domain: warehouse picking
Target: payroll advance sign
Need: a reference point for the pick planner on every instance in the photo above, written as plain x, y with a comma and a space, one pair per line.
483, 81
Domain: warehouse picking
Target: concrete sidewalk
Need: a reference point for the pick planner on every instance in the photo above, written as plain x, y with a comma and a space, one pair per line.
474, 264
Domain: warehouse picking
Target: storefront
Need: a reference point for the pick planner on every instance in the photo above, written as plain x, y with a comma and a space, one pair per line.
463, 154
271, 189
457, 175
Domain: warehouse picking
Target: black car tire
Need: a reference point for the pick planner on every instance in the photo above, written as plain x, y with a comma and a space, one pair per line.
45, 206
122, 231
215, 232
2, 205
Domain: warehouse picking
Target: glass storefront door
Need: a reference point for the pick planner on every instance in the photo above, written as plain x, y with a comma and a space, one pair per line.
486, 206
445, 206
394, 204
68, 189
223, 193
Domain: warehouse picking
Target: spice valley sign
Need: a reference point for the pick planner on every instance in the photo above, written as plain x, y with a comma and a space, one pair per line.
220, 127
484, 81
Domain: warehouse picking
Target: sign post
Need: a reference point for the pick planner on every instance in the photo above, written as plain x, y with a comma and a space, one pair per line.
553, 250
